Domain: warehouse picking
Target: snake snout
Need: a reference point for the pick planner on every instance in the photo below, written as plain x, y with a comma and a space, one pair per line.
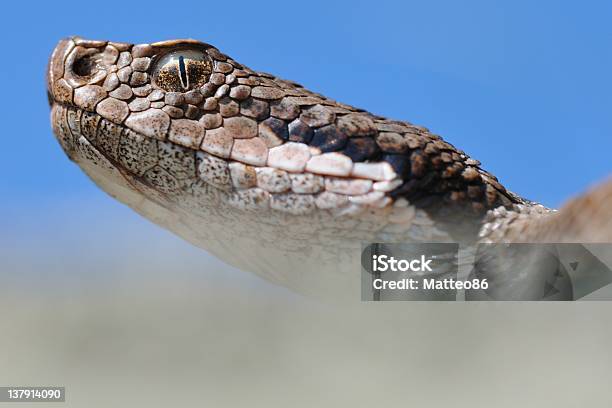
75, 63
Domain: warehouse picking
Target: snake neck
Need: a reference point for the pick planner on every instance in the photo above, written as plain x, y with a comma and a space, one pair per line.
586, 218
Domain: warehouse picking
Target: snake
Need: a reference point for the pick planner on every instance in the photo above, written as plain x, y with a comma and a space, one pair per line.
273, 178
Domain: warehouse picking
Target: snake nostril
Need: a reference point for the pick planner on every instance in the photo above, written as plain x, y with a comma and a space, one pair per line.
85, 66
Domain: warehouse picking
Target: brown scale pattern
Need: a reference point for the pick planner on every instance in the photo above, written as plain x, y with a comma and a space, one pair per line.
118, 82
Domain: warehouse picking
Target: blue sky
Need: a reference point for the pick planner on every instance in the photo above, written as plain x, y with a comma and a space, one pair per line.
525, 87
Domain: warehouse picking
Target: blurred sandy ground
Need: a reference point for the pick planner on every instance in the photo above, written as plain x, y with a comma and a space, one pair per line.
94, 298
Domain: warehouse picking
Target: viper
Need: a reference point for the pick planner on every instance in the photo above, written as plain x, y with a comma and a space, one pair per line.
273, 178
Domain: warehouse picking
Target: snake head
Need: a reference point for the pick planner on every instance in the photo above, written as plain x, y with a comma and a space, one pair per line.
186, 127
239, 161
191, 94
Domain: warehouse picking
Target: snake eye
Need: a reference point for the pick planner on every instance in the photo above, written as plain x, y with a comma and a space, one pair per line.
183, 70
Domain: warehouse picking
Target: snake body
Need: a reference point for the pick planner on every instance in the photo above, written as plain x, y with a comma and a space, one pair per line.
260, 171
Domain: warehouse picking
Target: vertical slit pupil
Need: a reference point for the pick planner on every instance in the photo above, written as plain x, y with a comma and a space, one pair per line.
183, 72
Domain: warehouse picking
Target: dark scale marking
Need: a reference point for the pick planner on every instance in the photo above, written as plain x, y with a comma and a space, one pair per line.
277, 126
183, 72
89, 125
418, 163
356, 125
108, 138
418, 191
299, 132
391, 142
400, 163
255, 108
328, 139
361, 148
162, 181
